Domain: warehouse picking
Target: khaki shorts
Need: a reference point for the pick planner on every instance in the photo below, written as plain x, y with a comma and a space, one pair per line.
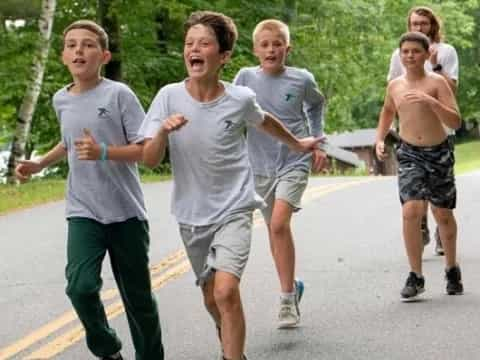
219, 247
289, 187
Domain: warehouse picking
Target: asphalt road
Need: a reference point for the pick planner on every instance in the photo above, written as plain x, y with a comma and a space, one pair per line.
349, 252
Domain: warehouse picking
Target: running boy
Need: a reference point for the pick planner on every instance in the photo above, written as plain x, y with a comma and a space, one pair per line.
281, 175
444, 61
425, 104
203, 119
105, 210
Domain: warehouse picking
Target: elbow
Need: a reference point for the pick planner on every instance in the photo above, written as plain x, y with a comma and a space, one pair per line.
149, 161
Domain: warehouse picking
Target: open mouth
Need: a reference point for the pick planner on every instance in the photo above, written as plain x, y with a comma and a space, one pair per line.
270, 58
196, 63
79, 61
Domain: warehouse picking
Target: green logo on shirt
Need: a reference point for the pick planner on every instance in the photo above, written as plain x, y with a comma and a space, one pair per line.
289, 96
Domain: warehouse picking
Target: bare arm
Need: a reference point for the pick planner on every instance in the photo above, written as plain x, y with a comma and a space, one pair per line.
274, 127
26, 168
384, 123
446, 107
154, 149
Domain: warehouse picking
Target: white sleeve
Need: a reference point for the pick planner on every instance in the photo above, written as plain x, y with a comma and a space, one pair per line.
155, 116
396, 68
450, 63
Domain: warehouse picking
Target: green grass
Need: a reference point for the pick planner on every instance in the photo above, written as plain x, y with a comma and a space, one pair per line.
37, 192
467, 156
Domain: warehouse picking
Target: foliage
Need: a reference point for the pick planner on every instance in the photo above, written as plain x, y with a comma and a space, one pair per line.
346, 44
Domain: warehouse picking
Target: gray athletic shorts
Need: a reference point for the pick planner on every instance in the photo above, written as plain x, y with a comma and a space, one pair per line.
289, 187
219, 247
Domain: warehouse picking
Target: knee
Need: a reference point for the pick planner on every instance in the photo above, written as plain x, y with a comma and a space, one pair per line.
209, 301
443, 216
412, 213
83, 288
227, 297
278, 228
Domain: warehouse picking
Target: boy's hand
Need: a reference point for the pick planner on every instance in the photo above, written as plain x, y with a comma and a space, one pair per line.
173, 123
26, 168
380, 150
86, 147
308, 144
416, 96
319, 160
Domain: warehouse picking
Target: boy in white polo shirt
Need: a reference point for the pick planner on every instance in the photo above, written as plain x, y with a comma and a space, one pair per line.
203, 119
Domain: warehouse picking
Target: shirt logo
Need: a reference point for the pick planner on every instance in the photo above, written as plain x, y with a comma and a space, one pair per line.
228, 124
102, 112
289, 96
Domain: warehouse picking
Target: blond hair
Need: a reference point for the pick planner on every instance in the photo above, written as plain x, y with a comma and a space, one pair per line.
91, 26
272, 25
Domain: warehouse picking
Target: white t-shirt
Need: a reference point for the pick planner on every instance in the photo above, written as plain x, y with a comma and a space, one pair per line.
209, 158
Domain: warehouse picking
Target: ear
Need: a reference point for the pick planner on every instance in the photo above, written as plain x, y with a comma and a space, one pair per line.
107, 56
288, 50
226, 56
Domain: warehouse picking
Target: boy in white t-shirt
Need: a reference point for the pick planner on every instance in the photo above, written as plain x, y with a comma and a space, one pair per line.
203, 121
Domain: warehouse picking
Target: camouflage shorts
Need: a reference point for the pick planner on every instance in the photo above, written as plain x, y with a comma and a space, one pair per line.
426, 173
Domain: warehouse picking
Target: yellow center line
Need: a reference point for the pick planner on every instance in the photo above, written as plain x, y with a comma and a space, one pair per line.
70, 316
62, 342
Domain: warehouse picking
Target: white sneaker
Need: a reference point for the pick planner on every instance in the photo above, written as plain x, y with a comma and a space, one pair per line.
288, 316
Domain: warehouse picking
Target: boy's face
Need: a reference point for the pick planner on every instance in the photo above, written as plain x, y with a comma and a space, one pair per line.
413, 55
271, 50
420, 23
82, 54
201, 53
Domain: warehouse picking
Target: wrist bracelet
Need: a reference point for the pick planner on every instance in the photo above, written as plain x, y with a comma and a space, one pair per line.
103, 151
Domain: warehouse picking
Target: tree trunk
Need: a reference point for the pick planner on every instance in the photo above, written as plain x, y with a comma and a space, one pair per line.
109, 21
27, 108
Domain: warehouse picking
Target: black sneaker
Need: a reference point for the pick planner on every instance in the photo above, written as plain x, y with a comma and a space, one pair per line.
413, 287
438, 244
425, 231
454, 281
116, 356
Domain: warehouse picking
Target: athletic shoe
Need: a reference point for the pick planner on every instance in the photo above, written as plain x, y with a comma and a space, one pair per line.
438, 244
289, 315
244, 358
413, 287
116, 356
454, 281
425, 231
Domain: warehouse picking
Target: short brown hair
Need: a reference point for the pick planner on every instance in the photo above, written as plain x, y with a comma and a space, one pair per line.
436, 25
415, 36
90, 26
272, 25
223, 26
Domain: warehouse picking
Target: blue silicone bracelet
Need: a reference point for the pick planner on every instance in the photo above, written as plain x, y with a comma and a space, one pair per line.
103, 152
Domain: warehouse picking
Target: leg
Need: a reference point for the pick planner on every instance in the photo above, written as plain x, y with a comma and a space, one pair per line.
281, 244
226, 293
86, 249
412, 212
128, 248
447, 227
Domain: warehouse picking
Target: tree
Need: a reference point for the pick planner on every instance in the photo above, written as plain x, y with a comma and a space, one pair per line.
27, 108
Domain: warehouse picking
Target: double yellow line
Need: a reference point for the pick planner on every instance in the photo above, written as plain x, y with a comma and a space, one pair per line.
167, 270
